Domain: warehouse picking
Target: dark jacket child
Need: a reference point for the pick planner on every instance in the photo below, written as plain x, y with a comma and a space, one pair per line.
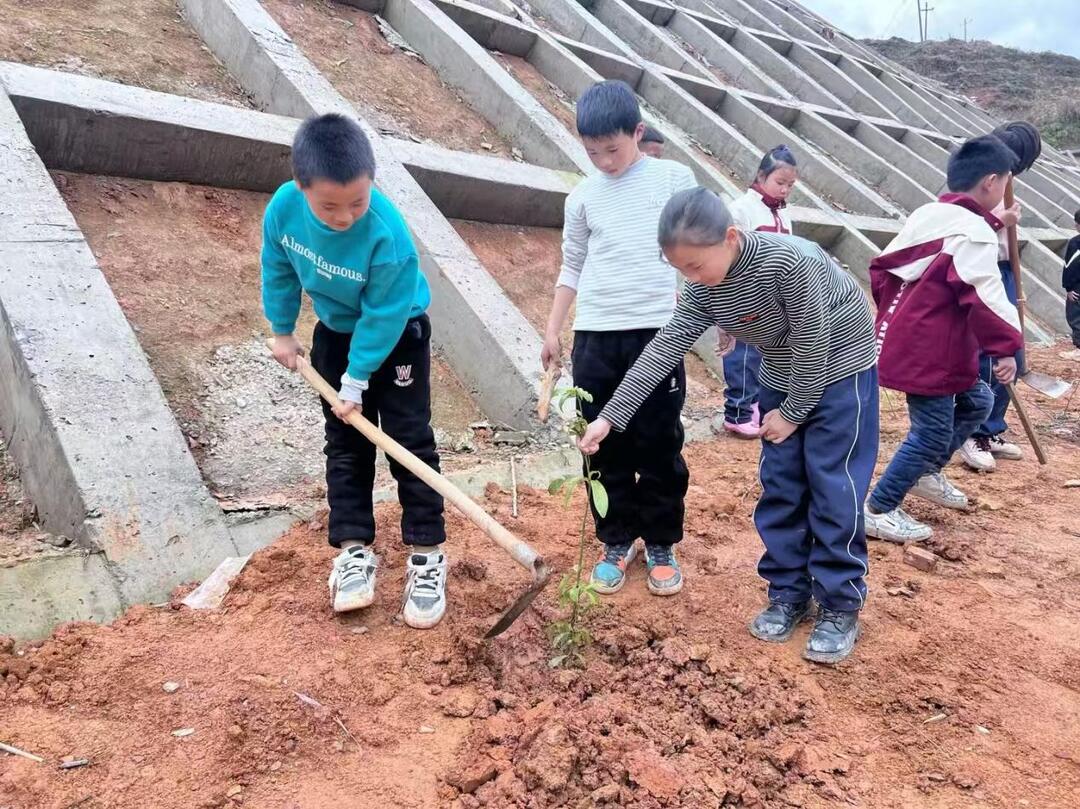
761, 208
1070, 280
813, 325
624, 292
652, 143
940, 303
329, 233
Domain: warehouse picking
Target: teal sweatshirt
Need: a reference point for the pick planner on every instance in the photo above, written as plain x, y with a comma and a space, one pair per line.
365, 280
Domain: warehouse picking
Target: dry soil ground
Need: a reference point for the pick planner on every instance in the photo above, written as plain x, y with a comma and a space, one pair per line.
145, 43
394, 90
963, 692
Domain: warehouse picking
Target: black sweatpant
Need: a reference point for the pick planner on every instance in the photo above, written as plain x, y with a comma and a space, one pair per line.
1072, 315
642, 467
398, 396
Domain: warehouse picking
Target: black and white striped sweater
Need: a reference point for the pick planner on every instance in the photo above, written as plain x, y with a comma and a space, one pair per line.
785, 296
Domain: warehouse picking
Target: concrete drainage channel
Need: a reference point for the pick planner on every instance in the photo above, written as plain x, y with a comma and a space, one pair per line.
82, 411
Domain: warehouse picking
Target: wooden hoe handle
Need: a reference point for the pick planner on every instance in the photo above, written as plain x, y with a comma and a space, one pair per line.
520, 551
1014, 258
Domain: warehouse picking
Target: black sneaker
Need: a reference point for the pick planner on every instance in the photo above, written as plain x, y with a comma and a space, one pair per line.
833, 637
777, 622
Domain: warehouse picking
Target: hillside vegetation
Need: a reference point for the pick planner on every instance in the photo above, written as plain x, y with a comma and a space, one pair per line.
1043, 88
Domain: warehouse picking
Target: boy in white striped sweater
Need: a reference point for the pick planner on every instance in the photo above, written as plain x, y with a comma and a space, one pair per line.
624, 293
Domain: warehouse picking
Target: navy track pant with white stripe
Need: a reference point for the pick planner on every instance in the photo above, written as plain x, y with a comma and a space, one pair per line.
741, 369
810, 515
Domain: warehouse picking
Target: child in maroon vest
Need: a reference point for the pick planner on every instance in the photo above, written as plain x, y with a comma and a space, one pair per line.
941, 303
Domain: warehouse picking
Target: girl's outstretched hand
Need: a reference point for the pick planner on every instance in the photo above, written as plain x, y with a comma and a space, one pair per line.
594, 434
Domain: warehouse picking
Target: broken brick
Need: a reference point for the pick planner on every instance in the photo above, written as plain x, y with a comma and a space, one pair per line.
920, 559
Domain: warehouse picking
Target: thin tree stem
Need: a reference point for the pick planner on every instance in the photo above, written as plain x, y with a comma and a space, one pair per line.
581, 540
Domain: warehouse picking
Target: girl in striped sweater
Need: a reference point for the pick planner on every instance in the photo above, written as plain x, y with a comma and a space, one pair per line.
814, 328
760, 209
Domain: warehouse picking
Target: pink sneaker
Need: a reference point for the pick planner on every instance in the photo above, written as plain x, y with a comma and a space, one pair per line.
748, 431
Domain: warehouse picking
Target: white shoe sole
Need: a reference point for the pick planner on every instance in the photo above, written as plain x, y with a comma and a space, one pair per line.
939, 500
352, 603
872, 532
977, 467
664, 591
606, 590
423, 621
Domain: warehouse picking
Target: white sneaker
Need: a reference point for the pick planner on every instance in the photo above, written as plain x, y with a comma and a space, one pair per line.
975, 453
937, 489
1000, 448
1074, 354
424, 602
896, 526
352, 579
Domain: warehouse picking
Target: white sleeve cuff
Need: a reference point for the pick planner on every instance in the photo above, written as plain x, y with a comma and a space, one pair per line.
352, 390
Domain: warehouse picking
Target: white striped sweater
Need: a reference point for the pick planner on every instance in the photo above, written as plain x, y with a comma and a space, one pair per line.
610, 253
783, 295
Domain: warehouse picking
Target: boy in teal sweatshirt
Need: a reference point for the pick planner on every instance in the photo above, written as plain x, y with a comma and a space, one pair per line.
330, 233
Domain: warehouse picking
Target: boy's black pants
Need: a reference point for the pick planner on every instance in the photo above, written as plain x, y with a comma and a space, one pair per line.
398, 396
642, 467
1072, 315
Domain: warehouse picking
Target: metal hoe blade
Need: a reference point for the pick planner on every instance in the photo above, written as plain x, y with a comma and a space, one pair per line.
541, 574
1045, 384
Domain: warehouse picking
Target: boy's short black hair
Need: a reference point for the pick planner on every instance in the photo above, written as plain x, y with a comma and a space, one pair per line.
331, 147
608, 108
652, 136
1076, 216
977, 158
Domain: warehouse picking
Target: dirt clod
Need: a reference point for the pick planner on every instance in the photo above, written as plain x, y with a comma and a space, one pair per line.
471, 779
920, 559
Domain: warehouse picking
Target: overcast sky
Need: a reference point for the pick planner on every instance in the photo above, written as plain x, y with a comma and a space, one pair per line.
1034, 25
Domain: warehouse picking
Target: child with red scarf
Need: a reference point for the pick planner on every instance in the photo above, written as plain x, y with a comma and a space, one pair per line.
761, 208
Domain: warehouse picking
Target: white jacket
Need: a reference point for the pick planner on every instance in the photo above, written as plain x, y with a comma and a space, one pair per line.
751, 213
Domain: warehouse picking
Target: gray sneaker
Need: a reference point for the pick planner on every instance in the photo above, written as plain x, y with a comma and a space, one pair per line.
352, 579
937, 489
424, 602
896, 526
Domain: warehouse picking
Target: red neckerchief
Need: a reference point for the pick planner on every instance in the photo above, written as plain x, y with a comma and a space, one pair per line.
774, 205
964, 201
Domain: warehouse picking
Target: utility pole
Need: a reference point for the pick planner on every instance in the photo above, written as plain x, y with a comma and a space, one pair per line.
918, 9
966, 21
926, 21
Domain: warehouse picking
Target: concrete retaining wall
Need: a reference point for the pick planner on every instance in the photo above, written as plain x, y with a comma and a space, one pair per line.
99, 452
88, 125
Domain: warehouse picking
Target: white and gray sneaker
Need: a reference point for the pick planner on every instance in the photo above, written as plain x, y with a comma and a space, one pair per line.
352, 579
896, 526
424, 602
975, 453
937, 489
1000, 448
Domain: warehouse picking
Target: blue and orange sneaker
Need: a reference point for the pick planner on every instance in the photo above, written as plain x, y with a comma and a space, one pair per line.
609, 574
665, 578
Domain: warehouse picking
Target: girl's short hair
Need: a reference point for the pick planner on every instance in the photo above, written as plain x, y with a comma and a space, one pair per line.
776, 158
695, 216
